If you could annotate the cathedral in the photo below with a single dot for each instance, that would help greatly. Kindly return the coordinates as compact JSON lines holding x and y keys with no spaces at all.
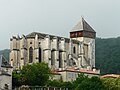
{"x":59,"y":52}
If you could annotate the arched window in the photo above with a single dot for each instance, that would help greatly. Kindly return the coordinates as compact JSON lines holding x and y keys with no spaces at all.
{"x":30,"y":55}
{"x":60,"y":59}
{"x":52,"y":57}
{"x":40,"y":55}
{"x":74,"y":50}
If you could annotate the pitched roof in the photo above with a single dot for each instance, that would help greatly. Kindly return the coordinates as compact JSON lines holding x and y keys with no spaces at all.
{"x":32,"y":35}
{"x":83,"y":26}
{"x":80,"y":71}
{"x":42,"y":35}
{"x":4,"y":62}
{"x":110,"y":76}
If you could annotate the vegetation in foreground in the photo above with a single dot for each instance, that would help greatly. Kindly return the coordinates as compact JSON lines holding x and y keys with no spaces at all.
{"x":37,"y":75}
{"x":34,"y":74}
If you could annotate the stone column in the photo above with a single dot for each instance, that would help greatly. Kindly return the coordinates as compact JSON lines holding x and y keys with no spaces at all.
{"x":83,"y":62}
{"x":47,"y":51}
{"x":36,"y":51}
{"x":62,"y":49}
{"x":55,"y":51}
{"x":93,"y":52}
{"x":56,"y":59}
{"x":23,"y":52}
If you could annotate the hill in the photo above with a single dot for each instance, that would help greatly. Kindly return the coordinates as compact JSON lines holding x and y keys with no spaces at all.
{"x":108,"y":55}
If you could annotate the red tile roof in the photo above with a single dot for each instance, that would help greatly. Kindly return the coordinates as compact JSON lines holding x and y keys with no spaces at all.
{"x":79,"y":71}
{"x":110,"y":76}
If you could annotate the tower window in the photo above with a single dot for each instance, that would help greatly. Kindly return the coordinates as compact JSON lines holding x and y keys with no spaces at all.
{"x":74,"y":50}
{"x":30,"y":42}
{"x":30,"y":55}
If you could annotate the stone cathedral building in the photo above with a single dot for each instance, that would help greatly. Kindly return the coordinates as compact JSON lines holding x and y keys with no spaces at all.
{"x":77,"y":51}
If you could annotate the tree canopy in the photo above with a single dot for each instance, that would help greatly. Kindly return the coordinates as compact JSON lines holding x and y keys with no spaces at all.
{"x":34,"y":74}
{"x":85,"y":83}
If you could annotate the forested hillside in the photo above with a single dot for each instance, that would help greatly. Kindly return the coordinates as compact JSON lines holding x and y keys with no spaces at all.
{"x":107,"y":55}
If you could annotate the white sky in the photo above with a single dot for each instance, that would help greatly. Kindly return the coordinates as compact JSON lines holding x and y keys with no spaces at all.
{"x":57,"y":17}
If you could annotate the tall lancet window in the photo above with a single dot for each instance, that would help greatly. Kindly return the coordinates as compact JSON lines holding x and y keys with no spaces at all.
{"x":52,"y":57}
{"x":40,"y":58}
{"x":30,"y":55}
{"x":60,"y":59}
{"x":74,"y":50}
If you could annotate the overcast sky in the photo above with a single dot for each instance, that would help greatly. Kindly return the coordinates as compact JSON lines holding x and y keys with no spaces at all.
{"x":57,"y":17}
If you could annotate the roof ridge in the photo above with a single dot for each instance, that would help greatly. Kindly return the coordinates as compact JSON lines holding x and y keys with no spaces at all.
{"x":46,"y":34}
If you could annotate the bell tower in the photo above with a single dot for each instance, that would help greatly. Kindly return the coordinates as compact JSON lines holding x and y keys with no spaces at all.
{"x":84,"y":33}
{"x":82,"y":29}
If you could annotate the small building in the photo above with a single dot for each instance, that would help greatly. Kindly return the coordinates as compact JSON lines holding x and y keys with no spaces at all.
{"x":5,"y":74}
{"x":56,"y":76}
{"x":70,"y":74}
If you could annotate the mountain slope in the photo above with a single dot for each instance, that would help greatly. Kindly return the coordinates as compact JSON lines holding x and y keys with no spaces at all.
{"x":108,"y":55}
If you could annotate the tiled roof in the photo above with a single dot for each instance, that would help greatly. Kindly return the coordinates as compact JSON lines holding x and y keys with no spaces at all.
{"x":4,"y":62}
{"x":110,"y":76}
{"x":80,"y":71}
{"x":56,"y":73}
{"x":83,"y":26}
{"x":89,"y":71}
{"x":32,"y":35}
{"x":42,"y":35}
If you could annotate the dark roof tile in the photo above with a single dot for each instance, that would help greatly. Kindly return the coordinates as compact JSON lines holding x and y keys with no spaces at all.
{"x":83,"y":26}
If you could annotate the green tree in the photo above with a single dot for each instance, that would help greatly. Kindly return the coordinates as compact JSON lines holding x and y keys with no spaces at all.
{"x":111,"y":83}
{"x":85,"y":83}
{"x":79,"y":79}
{"x":55,"y":83}
{"x":34,"y":74}
{"x":15,"y":79}
{"x":61,"y":84}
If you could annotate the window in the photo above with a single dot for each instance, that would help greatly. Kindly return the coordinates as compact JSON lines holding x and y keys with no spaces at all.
{"x":52,"y":57}
{"x":60,"y":59}
{"x":30,"y":55}
{"x":74,"y":50}
{"x":69,"y":75}
{"x":30,"y":42}
{"x":40,"y":55}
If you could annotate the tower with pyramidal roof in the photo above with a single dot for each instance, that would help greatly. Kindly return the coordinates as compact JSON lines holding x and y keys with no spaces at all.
{"x":84,"y":33}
